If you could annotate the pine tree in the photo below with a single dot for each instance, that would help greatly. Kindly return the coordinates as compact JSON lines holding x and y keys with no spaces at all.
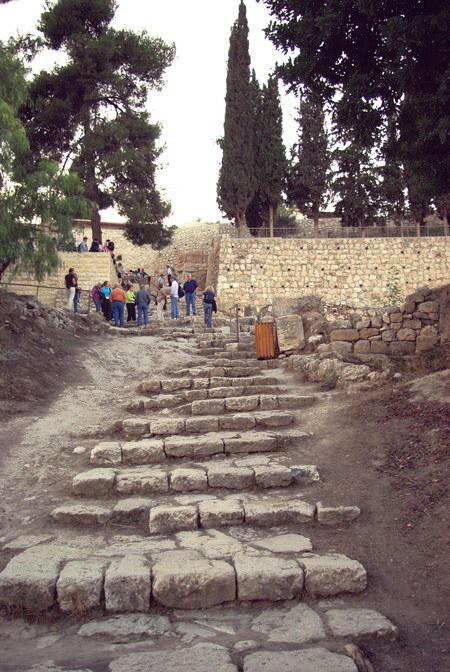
{"x":236,"y":185}
{"x":392,"y":187}
{"x":309,"y":169}
{"x":90,"y":112}
{"x":272,"y":156}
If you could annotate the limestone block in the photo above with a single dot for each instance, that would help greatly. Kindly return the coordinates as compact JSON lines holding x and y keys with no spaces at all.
{"x":363,"y":324}
{"x":128,"y":585}
{"x":267,"y":578}
{"x":150,"y":385}
{"x":195,"y":395}
{"x":388,"y":335}
{"x":379,"y":347}
{"x":106,"y":453}
{"x":233,"y":478}
{"x":335,"y":515}
{"x":165,"y":425}
{"x":140,"y":482}
{"x":332,"y":574}
{"x":402,"y":348}
{"x":341,"y":347}
{"x":131,"y":510}
{"x":188,"y":480}
{"x":268,"y":402}
{"x":406,"y":335}
{"x":237,"y":422}
{"x":162,"y":401}
{"x":182,"y":446}
{"x":353,"y":372}
{"x":175,"y":384}
{"x":368,"y":333}
{"x":249,"y":403}
{"x":208,"y":406}
{"x":250,"y":442}
{"x":223,"y":392}
{"x":317,"y":659}
{"x":360,"y":623}
{"x":428,"y":307}
{"x":376,"y":322}
{"x":80,"y":585}
{"x":94,"y":483}
{"x":290,"y":333}
{"x":201,"y":383}
{"x":198,"y":658}
{"x":344,"y":335}
{"x":395,"y":317}
{"x":303,"y":474}
{"x":202,"y":424}
{"x":424,"y":343}
{"x":362,"y":347}
{"x":194,"y":584}
{"x":274,"y":418}
{"x":81,"y":514}
{"x":285,"y":543}
{"x":408,"y":307}
{"x":292,"y":401}
{"x":272,"y":513}
{"x":222,"y":382}
{"x":135,"y":426}
{"x":220,"y":513}
{"x":167,"y":518}
{"x":411,"y":324}
{"x":272,"y":476}
{"x":28,"y":581}
{"x":146,"y":451}
{"x":429,"y":331}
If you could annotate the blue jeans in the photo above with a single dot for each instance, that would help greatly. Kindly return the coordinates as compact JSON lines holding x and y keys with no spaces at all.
{"x":190,"y":302}
{"x":174,"y":307}
{"x":117,"y":308}
{"x":207,"y":307}
{"x":76,"y":302}
{"x":98,"y":306}
{"x":142,"y":314}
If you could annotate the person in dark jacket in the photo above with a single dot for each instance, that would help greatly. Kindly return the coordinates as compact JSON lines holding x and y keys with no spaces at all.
{"x":142,"y":303}
{"x":95,"y":246}
{"x":209,"y":301}
{"x":190,"y":288}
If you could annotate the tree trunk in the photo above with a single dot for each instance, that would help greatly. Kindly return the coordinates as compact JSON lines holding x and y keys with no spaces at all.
{"x":270,"y":212}
{"x":446,"y":227}
{"x":3,"y":266}
{"x":315,"y":215}
{"x":96,"y":224}
{"x":418,"y":228}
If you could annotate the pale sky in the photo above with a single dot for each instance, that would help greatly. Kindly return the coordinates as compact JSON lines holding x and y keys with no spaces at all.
{"x":190,"y":107}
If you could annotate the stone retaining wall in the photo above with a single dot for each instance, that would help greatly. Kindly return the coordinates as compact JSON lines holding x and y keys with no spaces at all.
{"x":353,"y":272}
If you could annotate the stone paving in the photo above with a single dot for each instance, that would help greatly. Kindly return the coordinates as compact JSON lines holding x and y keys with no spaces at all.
{"x":215,"y":510}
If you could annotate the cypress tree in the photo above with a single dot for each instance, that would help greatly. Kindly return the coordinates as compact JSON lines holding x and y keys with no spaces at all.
{"x":236,"y":185}
{"x":309,"y":169}
{"x":272,"y":157}
{"x":254,"y":213}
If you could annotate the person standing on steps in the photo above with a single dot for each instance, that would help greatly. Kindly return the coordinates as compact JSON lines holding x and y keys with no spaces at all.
{"x":161,"y":302}
{"x":190,"y":288}
{"x":131,"y":304}
{"x":118,"y":299}
{"x":174,"y":298}
{"x":97,"y":297}
{"x":106,"y":302}
{"x":209,"y":303}
{"x":71,"y":281}
{"x":143,"y":302}
{"x":83,"y":246}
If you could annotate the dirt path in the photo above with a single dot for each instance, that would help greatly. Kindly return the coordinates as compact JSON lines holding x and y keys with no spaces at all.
{"x":405,"y":554}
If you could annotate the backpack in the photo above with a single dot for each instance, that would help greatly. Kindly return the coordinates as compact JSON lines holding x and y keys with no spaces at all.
{"x":180,"y":292}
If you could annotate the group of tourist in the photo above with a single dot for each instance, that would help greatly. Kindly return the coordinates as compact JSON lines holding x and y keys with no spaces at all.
{"x":96,"y":246}
{"x":113,"y":300}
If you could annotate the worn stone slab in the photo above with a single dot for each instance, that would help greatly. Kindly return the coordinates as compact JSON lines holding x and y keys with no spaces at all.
{"x":290,"y":333}
{"x":274,"y":418}
{"x":25,"y":541}
{"x":332,"y":574}
{"x":268,"y":402}
{"x":298,"y":624}
{"x":233,"y":478}
{"x":94,"y":483}
{"x":305,"y":660}
{"x":28,"y":581}
{"x":195,"y":395}
{"x":199,"y":446}
{"x":272,"y":476}
{"x":213,"y":544}
{"x":187,"y":480}
{"x":135,"y":426}
{"x":198,"y":658}
{"x":305,"y":473}
{"x":335,"y":515}
{"x":250,"y":442}
{"x":220,"y":513}
{"x":141,"y":482}
{"x":271,"y":514}
{"x":81,"y":514}
{"x":208,"y":407}
{"x":107,"y":453}
{"x":237,"y":422}
{"x":360,"y":623}
{"x":150,"y":385}
{"x":128,"y":585}
{"x":288,"y":437}
{"x":195,"y":584}
{"x":293,"y":401}
{"x":145,"y":451}
{"x":162,"y":425}
{"x":162,"y":401}
{"x":79,"y":587}
{"x":226,"y":392}
{"x":202,"y":424}
{"x":167,"y":518}
{"x":267,"y":578}
{"x":126,"y":628}
{"x":285,"y":543}
{"x":247,"y":403}
{"x":131,"y":510}
{"x":175,"y":384}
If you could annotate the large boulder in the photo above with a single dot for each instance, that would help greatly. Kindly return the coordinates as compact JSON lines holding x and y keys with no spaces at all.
{"x":290,"y":333}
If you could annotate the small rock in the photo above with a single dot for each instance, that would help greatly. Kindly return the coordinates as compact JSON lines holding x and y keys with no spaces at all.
{"x":79,"y":450}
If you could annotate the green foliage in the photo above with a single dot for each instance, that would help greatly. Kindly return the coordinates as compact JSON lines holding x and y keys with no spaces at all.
{"x":237,"y":183}
{"x":310,"y":163}
{"x":356,"y":186}
{"x":90,"y":112}
{"x":271,"y":155}
{"x":393,"y":295}
{"x":37,"y":203}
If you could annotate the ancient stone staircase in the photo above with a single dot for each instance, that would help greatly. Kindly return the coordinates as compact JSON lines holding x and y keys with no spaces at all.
{"x":204,"y":481}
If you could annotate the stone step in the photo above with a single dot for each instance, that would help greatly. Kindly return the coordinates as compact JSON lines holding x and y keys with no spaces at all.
{"x":246,"y":403}
{"x":196,"y":511}
{"x":157,"y":451}
{"x":234,"y":355}
{"x":161,"y":401}
{"x":169,"y":385}
{"x":140,"y":480}
{"x":134,"y":577}
{"x":163,"y":425}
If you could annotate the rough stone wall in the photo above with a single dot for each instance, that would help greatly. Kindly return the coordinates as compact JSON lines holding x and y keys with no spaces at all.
{"x":90,"y":268}
{"x":350,"y":272}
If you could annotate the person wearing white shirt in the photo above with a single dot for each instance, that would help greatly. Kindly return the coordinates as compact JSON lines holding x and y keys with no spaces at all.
{"x":174,"y":299}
